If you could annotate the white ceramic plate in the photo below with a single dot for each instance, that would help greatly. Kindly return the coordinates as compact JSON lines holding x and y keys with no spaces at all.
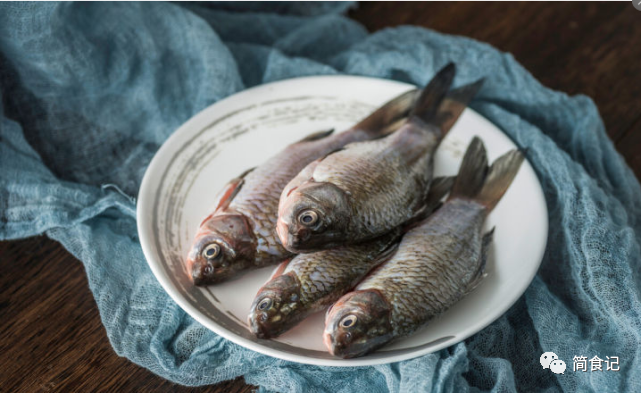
{"x":244,"y":130}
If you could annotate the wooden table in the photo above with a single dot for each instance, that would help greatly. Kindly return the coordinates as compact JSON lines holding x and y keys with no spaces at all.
{"x":51,"y":337}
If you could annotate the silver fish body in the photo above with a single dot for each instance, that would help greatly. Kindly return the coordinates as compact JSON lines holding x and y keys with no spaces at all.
{"x":312,"y":282}
{"x":368,"y":188}
{"x":241,"y":233}
{"x":437,"y":263}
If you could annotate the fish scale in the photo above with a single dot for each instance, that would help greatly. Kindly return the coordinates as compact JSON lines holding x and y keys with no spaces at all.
{"x":313,"y":281}
{"x":335,"y":270}
{"x":319,"y":279}
{"x":441,"y":271}
{"x":366,"y":189}
{"x":259,"y":196}
{"x":394,"y":191}
{"x":437,"y":262}
{"x":241,"y":233}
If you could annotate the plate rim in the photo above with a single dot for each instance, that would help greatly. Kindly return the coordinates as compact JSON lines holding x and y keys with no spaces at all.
{"x":147,"y":197}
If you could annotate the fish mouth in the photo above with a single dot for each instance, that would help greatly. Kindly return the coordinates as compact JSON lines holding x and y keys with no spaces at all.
{"x":270,"y":328}
{"x":282,"y":232}
{"x":218,"y":275}
{"x":297,"y":242}
{"x":265,"y":324}
{"x":342,"y":349}
{"x":236,"y":244}
{"x":257,"y":328}
{"x":294,"y":239}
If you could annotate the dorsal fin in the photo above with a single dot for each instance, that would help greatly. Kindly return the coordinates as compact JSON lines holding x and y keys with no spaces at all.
{"x":280,"y":268}
{"x":379,"y":122}
{"x":331,"y":152}
{"x":317,"y":135}
{"x":231,"y":190}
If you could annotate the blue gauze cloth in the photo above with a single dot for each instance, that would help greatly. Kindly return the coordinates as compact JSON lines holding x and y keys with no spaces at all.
{"x":90,"y":92}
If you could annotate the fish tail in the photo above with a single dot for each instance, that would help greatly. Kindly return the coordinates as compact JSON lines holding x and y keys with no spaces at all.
{"x":454,"y":104}
{"x":385,"y":119}
{"x":499,"y":178}
{"x":485,"y":185}
{"x":472,"y":172}
{"x":427,"y":105}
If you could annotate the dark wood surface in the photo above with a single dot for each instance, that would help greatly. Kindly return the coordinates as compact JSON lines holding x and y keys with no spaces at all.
{"x":51,"y":337}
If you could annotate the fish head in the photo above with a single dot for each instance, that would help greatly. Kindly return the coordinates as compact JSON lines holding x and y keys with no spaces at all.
{"x":276,"y":307}
{"x":313,"y":217}
{"x":224,"y":246}
{"x":357,"y":323}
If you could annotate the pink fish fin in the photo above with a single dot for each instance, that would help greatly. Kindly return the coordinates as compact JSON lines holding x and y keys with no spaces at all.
{"x":317,"y":135}
{"x":303,"y":176}
{"x":480,"y":274}
{"x":281,"y":268}
{"x":231,"y":190}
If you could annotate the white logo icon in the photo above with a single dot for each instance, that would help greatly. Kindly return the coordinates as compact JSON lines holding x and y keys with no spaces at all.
{"x":557,"y":366}
{"x":547,"y":358}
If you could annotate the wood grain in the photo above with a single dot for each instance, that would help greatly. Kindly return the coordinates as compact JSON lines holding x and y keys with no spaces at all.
{"x":51,"y":337}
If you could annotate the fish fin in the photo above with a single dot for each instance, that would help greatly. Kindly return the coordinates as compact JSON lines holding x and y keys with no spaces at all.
{"x":454,"y":104}
{"x":384,"y":120}
{"x":428,"y":103}
{"x":330,"y":153}
{"x":439,"y":187}
{"x":478,"y":182}
{"x":231,"y":189}
{"x":390,"y":128}
{"x":380,"y":260}
{"x":485,"y":249}
{"x":499,"y":178}
{"x":390,"y":250}
{"x":307,"y":174}
{"x":280,"y":268}
{"x":317,"y":135}
{"x":472,"y":172}
{"x":480,"y":274}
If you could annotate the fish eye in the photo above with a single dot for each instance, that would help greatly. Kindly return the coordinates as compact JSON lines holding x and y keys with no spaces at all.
{"x":264,"y":304}
{"x":308,"y":218}
{"x":348,"y":321}
{"x":211,"y":251}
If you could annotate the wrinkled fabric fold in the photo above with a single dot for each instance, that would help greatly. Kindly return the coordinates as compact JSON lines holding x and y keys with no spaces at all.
{"x":90,"y":92}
